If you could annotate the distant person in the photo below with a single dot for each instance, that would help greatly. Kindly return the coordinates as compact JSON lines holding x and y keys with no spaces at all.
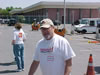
{"x":18,"y":46}
{"x":53,"y":52}
{"x":77,"y":22}
{"x":36,"y":24}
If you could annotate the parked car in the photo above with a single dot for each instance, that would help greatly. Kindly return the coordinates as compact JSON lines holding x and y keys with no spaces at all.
{"x":87,"y":25}
{"x":56,"y":22}
{"x":77,"y":22}
{"x":0,"y":20}
{"x":12,"y":22}
{"x":6,"y":21}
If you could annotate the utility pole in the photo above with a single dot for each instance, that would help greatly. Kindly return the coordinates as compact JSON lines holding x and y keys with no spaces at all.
{"x":72,"y":28}
{"x":98,"y":26}
{"x":64,"y":13}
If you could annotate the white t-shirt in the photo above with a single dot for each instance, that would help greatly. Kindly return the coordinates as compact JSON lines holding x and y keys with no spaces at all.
{"x":19,"y":36}
{"x":52,"y":55}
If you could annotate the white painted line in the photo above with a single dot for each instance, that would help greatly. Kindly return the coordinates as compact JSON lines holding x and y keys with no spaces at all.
{"x":0,"y":33}
{"x":85,"y":50}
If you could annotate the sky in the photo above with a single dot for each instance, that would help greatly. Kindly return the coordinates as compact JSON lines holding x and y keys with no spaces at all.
{"x":26,"y":3}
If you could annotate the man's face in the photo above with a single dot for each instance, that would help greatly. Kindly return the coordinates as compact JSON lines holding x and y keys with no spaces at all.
{"x":47,"y":32}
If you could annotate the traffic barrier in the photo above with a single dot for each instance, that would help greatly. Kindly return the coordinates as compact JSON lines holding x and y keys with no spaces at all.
{"x":35,"y":27}
{"x":90,"y":68}
{"x":60,"y":31}
{"x":93,"y":41}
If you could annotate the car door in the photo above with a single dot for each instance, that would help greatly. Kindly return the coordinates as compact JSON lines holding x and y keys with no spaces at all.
{"x":92,"y":26}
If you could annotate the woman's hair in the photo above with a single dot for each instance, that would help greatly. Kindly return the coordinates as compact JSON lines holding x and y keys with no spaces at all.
{"x":18,"y":26}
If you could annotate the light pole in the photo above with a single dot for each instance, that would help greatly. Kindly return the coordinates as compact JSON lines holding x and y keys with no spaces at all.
{"x":72,"y":28}
{"x":64,"y":13}
{"x":98,"y":28}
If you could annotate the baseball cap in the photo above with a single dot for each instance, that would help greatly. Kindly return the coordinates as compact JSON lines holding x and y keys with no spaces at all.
{"x":46,"y":23}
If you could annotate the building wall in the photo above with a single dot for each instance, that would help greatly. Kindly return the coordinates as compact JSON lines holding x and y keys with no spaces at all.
{"x":52,"y":13}
{"x":95,"y":13}
{"x":85,"y":13}
{"x":72,"y":14}
{"x":61,"y":14}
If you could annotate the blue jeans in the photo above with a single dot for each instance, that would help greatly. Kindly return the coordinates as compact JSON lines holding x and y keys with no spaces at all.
{"x":18,"y":50}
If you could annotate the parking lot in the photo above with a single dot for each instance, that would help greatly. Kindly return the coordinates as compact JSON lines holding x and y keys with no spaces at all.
{"x":79,"y":44}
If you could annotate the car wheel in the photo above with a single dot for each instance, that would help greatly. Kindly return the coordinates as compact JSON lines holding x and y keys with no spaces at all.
{"x":78,"y":31}
{"x":83,"y":31}
{"x":94,"y":32}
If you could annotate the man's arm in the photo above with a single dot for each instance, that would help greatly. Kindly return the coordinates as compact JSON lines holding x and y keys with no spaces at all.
{"x":33,"y":67}
{"x":68,"y":67}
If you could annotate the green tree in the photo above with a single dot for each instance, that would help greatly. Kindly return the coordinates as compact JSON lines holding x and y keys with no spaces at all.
{"x":0,"y":10}
{"x":4,"y":12}
{"x":7,"y":10}
{"x":21,"y":18}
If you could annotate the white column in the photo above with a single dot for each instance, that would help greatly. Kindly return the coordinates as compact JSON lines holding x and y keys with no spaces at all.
{"x":64,"y":13}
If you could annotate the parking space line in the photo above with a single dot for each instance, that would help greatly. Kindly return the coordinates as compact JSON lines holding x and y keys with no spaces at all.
{"x":85,"y":50}
{"x":0,"y":33}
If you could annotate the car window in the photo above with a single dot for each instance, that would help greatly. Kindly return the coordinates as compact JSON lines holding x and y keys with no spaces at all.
{"x":98,"y":23}
{"x":84,"y":21}
{"x":92,"y":23}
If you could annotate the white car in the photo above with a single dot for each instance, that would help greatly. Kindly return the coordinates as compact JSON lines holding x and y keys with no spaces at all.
{"x":87,"y":25}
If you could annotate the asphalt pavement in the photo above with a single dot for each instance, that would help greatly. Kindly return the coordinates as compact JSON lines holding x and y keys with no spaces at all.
{"x":79,"y":44}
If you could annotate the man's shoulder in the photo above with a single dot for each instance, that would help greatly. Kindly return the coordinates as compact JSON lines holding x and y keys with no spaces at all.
{"x":40,"y":41}
{"x":59,"y":37}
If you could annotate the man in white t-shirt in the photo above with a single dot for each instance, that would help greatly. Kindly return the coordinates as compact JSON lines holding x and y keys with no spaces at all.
{"x":53,"y":52}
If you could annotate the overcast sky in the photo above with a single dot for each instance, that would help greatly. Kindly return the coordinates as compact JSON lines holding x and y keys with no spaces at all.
{"x":25,"y":3}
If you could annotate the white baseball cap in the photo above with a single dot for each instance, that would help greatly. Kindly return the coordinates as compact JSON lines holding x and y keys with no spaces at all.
{"x":46,"y":23}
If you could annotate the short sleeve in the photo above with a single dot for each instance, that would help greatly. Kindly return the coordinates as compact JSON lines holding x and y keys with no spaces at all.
{"x":68,"y":51}
{"x":14,"y":36}
{"x":36,"y":55}
{"x":24,"y":36}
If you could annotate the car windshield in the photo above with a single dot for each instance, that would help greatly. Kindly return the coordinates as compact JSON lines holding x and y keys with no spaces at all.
{"x":83,"y":21}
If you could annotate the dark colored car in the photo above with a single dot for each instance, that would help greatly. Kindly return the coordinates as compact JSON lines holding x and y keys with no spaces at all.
{"x":77,"y":22}
{"x":12,"y":22}
{"x":56,"y":23}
